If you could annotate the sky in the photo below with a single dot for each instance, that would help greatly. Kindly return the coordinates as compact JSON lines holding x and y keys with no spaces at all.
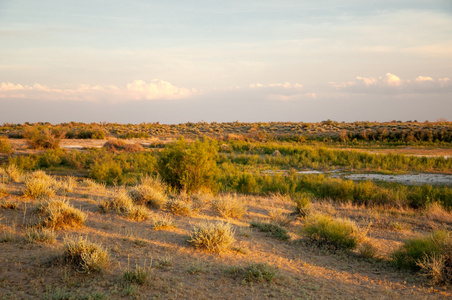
{"x":196,"y":60}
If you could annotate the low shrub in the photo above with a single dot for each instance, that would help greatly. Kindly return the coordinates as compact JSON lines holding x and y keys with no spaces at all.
{"x":39,"y":185}
{"x":302,"y":204}
{"x":121,"y":146}
{"x":149,"y":194}
{"x":5,"y":146}
{"x":339,"y":233}
{"x":14,"y":173}
{"x":42,"y":139}
{"x":122,"y":204}
{"x":278,"y":216}
{"x":179,"y":207}
{"x":84,"y":255}
{"x":273,"y":230}
{"x":59,"y":214}
{"x":229,"y":206}
{"x":214,"y":237}
{"x":255,"y":272}
{"x":42,"y":235}
{"x":163,"y":222}
{"x":138,"y":275}
{"x":423,"y":248}
{"x":7,"y":204}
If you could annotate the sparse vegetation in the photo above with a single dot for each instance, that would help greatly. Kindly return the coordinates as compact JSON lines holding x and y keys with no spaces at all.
{"x":422,"y":249}
{"x":215,"y":237}
{"x":229,"y":206}
{"x":122,"y":204}
{"x":42,"y":235}
{"x":338,"y":233}
{"x":273,"y":230}
{"x":85,"y":255}
{"x":58,"y":214}
{"x":5,"y":146}
{"x":261,"y":175}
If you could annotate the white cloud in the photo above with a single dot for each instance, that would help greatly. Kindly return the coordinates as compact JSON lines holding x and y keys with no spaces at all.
{"x":391,"y":83}
{"x":156,"y":89}
{"x":424,"y":78}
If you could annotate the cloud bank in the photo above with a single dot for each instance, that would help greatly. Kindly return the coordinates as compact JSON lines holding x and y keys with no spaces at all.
{"x":156,"y":89}
{"x":393,"y":84}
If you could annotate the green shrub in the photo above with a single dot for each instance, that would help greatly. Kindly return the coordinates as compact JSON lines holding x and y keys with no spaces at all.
{"x":254,"y":272}
{"x":214,"y":237}
{"x":108,"y":172}
{"x":137,"y":276}
{"x":84,"y":255}
{"x":414,"y":250}
{"x":229,"y":206}
{"x":273,"y":230}
{"x":5,"y":146}
{"x":189,"y":167}
{"x":42,"y":139}
{"x":302,"y":204}
{"x":247,"y":184}
{"x":339,"y":233}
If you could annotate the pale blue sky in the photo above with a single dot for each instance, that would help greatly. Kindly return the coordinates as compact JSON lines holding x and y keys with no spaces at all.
{"x":178,"y":61}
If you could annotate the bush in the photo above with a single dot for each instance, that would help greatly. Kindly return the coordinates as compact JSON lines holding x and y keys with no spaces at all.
{"x":151,"y":192}
{"x":163,"y":222}
{"x":42,"y":139}
{"x":121,"y":146}
{"x":214,"y":237}
{"x":39,"y":185}
{"x":84,"y":255}
{"x":123,"y":205}
{"x":189,"y":167}
{"x":5,"y":146}
{"x":229,"y":206}
{"x":339,"y":233}
{"x":179,"y":207}
{"x":302,"y":205}
{"x":59,"y":214}
{"x":40,"y":235}
{"x":273,"y":230}
{"x":254,"y":272}
{"x":417,"y":249}
{"x":108,"y":172}
{"x":136,"y":276}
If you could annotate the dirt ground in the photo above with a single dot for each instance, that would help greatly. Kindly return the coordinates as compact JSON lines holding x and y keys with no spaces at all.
{"x":180,"y":271}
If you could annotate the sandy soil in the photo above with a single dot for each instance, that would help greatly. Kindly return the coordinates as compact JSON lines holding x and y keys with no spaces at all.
{"x":29,"y":271}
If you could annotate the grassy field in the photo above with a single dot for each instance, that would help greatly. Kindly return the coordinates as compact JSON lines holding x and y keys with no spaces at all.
{"x":154,"y":216}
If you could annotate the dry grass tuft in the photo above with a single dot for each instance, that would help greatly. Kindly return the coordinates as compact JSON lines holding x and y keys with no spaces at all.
{"x":434,"y":211}
{"x":84,"y":255}
{"x":214,"y":237}
{"x":60,"y":214}
{"x":122,"y":204}
{"x":229,"y":206}
{"x":179,"y":207}
{"x":145,"y":194}
{"x":162,"y":222}
{"x":42,"y":235}
{"x":14,"y":173}
{"x":39,"y":185}
{"x":121,"y":146}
